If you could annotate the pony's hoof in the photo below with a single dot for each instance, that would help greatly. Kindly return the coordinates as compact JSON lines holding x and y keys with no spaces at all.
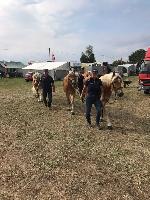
{"x":109,"y":127}
{"x":73,"y":113}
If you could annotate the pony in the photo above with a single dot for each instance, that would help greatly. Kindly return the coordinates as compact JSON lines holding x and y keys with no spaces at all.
{"x":112,"y":82}
{"x":87,"y":75}
{"x":36,"y":86}
{"x":70,"y":87}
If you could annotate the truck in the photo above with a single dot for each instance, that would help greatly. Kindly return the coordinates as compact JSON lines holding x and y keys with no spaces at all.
{"x":144,"y":73}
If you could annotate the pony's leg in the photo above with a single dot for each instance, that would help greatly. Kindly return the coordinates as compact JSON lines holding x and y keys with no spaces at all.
{"x":102,"y":112}
{"x":72,"y":104}
{"x":40,"y":96}
{"x":102,"y":115}
{"x":68,"y":100}
{"x":105,"y":113}
{"x":109,"y":124}
{"x":37,"y":93}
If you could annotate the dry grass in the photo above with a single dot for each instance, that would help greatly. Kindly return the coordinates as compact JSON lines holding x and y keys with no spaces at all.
{"x":52,"y":155}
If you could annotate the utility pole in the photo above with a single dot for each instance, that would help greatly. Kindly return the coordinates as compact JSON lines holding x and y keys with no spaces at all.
{"x":49,"y":50}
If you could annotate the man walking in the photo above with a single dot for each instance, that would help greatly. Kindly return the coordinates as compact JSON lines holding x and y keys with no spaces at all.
{"x":93,"y":88}
{"x":47,"y":85}
{"x":80,"y":80}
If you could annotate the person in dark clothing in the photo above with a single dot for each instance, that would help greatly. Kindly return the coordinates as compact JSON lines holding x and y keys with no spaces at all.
{"x":93,"y":88}
{"x":80,"y":80}
{"x":47,"y":85}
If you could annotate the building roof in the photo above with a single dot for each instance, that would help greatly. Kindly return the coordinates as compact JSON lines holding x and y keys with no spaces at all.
{"x":126,"y":65}
{"x":12,"y":64}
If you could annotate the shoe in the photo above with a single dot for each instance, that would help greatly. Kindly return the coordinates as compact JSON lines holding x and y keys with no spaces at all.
{"x":49,"y":107}
{"x":89,"y":125}
{"x":98,"y":126}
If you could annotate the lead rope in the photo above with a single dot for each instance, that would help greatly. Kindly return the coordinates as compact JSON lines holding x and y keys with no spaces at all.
{"x":121,"y":105}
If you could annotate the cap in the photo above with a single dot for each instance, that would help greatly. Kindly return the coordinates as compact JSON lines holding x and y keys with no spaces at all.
{"x":95,"y":71}
{"x":45,"y":70}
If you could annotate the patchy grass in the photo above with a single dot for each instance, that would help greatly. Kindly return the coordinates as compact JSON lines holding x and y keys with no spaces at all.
{"x":53,"y":155}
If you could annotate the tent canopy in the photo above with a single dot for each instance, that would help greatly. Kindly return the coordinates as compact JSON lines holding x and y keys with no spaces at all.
{"x":45,"y":65}
{"x":57,"y":70}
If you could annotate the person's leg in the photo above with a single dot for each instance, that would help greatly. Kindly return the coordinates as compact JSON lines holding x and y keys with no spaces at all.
{"x":80,"y":89}
{"x":44,"y":97}
{"x":98,"y":106}
{"x":88,"y":109}
{"x":49,"y":99}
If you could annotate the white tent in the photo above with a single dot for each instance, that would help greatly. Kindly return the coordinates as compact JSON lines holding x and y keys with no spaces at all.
{"x":56,"y":69}
{"x":129,"y":69}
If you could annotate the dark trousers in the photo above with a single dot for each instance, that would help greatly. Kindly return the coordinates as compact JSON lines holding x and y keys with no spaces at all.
{"x":47,"y":98}
{"x":80,"y":89}
{"x":97,"y":103}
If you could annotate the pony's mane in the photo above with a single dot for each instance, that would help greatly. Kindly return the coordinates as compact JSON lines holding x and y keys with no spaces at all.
{"x":36,"y":75}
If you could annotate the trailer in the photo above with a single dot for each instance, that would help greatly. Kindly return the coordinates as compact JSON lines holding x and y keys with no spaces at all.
{"x":144,"y":73}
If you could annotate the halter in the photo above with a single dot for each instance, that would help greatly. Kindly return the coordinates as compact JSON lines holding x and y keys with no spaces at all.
{"x":113,"y":85}
{"x":73,"y":81}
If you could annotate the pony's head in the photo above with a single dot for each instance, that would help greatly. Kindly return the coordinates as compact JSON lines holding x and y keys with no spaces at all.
{"x":117,"y":82}
{"x":36,"y":78}
{"x":72,"y":77}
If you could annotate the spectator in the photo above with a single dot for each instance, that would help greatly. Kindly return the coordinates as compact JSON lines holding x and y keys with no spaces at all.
{"x":80,"y":80}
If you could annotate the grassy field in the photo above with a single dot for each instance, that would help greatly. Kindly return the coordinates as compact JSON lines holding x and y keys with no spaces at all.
{"x":53,"y":155}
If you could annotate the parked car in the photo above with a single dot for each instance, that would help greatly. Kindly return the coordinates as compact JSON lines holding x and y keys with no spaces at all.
{"x":28,"y":76}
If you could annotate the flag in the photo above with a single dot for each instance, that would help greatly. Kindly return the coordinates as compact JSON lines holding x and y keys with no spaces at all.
{"x":49,"y":51}
{"x":30,"y":63}
{"x":53,"y":57}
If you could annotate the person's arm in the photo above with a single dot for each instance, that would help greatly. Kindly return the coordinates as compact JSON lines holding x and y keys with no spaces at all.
{"x":53,"y":87}
{"x":84,"y":91}
{"x":40,"y":82}
{"x":102,"y":92}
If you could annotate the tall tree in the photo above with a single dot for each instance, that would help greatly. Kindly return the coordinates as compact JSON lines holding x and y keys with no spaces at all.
{"x":88,"y":56}
{"x":137,"y":56}
{"x":118,"y":62}
{"x":84,"y":58}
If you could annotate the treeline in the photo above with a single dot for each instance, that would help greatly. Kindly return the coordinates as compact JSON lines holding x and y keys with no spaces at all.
{"x":135,"y":57}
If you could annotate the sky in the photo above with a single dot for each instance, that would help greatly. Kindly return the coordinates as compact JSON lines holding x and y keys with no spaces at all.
{"x":115,"y":29}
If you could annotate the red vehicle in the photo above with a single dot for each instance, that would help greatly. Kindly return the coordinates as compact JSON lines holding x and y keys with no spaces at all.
{"x":144,"y":73}
{"x":28,"y":76}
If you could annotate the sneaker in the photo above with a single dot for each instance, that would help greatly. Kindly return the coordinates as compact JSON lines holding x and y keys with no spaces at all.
{"x":89,"y":125}
{"x":49,"y":107}
{"x":98,"y":126}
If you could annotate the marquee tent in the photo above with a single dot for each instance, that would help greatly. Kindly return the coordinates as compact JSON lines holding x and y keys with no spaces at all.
{"x":56,"y":69}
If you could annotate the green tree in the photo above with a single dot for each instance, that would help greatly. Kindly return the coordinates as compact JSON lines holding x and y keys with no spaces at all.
{"x":88,"y":56}
{"x":137,"y":56}
{"x":84,"y":58}
{"x":118,"y":62}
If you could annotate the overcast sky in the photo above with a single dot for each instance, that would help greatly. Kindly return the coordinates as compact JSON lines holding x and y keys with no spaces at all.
{"x":115,"y":28}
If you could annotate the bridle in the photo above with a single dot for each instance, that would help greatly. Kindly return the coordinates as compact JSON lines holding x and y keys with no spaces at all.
{"x":73,"y":81}
{"x":114,"y":87}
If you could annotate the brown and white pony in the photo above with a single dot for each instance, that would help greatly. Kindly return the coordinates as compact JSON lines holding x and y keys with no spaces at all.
{"x":36,"y":86}
{"x":70,"y":86}
{"x":112,"y":82}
